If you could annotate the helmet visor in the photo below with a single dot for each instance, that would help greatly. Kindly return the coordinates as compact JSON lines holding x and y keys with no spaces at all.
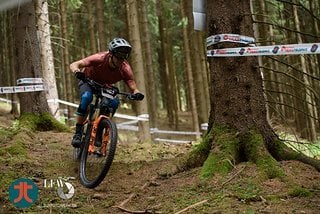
{"x":121,"y":55}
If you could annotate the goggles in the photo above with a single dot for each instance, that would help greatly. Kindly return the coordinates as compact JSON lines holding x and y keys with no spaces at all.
{"x":121,"y":55}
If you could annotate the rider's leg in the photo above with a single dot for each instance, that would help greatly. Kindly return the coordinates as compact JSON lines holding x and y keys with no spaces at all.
{"x":86,"y":98}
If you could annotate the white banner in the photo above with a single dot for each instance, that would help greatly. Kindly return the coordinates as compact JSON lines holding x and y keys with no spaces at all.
{"x":291,"y":49}
{"x":29,"y":81}
{"x":229,"y":38}
{"x":20,"y":89}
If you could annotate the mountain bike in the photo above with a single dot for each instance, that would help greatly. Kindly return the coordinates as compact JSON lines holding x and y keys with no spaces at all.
{"x":99,"y":138}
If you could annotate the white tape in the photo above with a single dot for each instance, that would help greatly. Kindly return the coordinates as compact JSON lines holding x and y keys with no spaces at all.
{"x":155,"y":130}
{"x":291,"y":49}
{"x":22,"y":81}
{"x":230,"y":38}
{"x":20,"y":89}
{"x":173,"y":141}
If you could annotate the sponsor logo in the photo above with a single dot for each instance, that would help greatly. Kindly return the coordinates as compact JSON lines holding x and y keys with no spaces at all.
{"x":23,"y":193}
{"x":275,"y":49}
{"x":314,"y":48}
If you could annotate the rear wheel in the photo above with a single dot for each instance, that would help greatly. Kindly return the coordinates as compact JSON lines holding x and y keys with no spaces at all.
{"x":95,"y":166}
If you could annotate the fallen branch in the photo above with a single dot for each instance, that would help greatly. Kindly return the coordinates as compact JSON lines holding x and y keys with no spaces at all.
{"x":192,"y":206}
{"x":235,"y":175}
{"x":147,"y":211}
{"x":132,"y":195}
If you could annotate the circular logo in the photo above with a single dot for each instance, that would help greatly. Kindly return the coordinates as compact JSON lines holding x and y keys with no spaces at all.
{"x":217,"y":39}
{"x":314,"y":48}
{"x":70,"y":191}
{"x":275,"y":49}
{"x":242,"y":50}
{"x":23,"y":193}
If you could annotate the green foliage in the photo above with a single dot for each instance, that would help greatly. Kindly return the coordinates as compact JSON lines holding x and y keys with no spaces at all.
{"x":249,"y":191}
{"x":16,"y":148}
{"x":300,"y":192}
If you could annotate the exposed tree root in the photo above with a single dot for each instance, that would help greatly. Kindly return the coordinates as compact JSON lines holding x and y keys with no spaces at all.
{"x":223,"y":147}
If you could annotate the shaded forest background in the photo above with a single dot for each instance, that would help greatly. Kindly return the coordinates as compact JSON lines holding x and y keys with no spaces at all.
{"x":169,"y":57}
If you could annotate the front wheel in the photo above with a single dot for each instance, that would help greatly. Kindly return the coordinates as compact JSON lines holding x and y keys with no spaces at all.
{"x":94,"y":166}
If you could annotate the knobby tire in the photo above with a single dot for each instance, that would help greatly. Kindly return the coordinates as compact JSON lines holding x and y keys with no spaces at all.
{"x":111,"y":149}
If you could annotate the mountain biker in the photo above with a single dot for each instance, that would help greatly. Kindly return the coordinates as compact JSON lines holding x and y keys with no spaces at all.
{"x":105,"y":68}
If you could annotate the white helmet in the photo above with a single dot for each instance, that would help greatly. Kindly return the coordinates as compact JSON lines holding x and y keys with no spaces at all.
{"x":120,"y":48}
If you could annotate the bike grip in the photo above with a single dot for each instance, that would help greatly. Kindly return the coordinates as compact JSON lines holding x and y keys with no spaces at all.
{"x":80,"y":75}
{"x":139,"y":96}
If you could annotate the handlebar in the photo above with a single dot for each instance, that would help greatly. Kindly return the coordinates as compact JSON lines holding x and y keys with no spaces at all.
{"x":97,"y":87}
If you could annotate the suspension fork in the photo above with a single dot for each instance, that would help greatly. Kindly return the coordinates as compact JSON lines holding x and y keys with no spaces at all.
{"x":94,"y":133}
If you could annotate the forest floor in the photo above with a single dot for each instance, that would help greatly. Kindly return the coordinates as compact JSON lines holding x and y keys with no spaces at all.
{"x":136,"y":183}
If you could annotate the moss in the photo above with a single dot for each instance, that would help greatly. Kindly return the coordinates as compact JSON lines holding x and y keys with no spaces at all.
{"x":197,"y":156}
{"x":224,"y":153}
{"x":17,"y":149}
{"x":42,"y":122}
{"x":256,"y":152}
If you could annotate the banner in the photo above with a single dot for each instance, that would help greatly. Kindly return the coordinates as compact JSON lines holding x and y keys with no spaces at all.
{"x":236,"y":38}
{"x":20,"y":89}
{"x":273,"y":50}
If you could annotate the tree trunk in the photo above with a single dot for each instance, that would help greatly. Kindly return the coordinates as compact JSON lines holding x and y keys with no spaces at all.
{"x":238,"y":127}
{"x":165,"y":66}
{"x":66,"y":61}
{"x":101,"y":25}
{"x":137,"y":65}
{"x":47,"y":56}
{"x":311,"y":130}
{"x":91,"y":18}
{"x":187,"y":54}
{"x":146,"y":41}
{"x":27,"y":58}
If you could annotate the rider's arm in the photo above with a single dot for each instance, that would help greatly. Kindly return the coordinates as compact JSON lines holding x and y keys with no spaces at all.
{"x":77,"y":65}
{"x":132,"y":86}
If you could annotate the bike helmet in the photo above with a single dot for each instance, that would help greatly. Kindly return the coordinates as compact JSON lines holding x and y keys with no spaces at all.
{"x":120,"y":48}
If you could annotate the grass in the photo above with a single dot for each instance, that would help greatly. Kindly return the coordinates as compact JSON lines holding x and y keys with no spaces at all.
{"x":311,"y":149}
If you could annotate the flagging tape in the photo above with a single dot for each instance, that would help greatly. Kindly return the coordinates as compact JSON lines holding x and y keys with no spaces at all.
{"x":20,"y":89}
{"x":26,"y":88}
{"x":272,"y":50}
{"x":236,"y":38}
{"x":22,"y":81}
{"x":252,"y":50}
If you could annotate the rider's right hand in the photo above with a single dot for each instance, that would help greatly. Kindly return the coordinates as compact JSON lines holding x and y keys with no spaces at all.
{"x":136,"y":96}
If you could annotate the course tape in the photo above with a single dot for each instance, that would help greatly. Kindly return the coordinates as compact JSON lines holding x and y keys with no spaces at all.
{"x":291,"y":49}
{"x":22,"y":81}
{"x":236,"y":38}
{"x":20,"y":89}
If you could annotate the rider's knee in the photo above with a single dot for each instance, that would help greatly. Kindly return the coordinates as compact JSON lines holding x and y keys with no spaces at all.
{"x":86,"y":99}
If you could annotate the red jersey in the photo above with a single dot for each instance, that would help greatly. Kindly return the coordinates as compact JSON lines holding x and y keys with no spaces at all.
{"x":97,"y":68}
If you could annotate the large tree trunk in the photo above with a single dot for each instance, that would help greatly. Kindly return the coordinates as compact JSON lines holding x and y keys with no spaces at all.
{"x":238,"y":127}
{"x":27,"y":55}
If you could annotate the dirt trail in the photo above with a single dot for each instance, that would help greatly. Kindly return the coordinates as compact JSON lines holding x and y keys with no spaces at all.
{"x":133,"y":182}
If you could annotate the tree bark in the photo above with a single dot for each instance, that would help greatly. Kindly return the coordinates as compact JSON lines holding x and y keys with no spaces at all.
{"x":137,"y":65}
{"x":27,"y":58}
{"x":47,"y":56}
{"x":238,"y":127}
